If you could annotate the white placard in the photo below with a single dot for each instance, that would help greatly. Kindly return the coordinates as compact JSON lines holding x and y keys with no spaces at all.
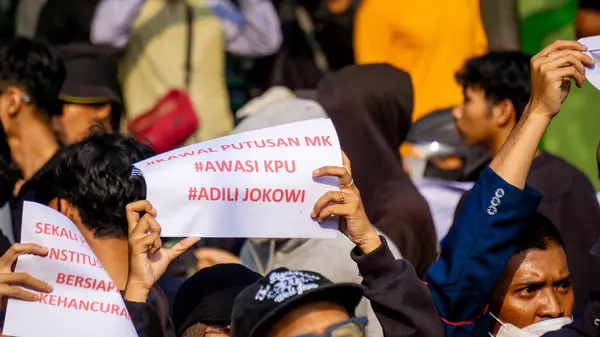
{"x":253,"y":184}
{"x":85,"y":301}
{"x":592,"y":74}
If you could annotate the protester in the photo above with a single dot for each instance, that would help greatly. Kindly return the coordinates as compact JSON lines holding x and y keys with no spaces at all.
{"x":155,"y":60}
{"x":91,"y":93}
{"x":90,"y":177}
{"x":31,"y":76}
{"x":480,"y":245}
{"x":586,"y":20}
{"x":371,"y":107}
{"x":535,"y":291}
{"x":204,"y":302}
{"x":402,"y":300}
{"x":497,"y":88}
{"x":429,"y":39}
{"x":318,"y":255}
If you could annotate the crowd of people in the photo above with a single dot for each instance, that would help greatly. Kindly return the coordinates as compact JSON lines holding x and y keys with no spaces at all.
{"x":452,"y":221}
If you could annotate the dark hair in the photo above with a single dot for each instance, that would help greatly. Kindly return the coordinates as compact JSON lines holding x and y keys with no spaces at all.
{"x":539,"y":233}
{"x":502,"y":75}
{"x":94,"y":176}
{"x":35,"y":68}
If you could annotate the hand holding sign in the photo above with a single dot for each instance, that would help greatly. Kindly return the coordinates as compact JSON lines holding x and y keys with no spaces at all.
{"x":11,"y":283}
{"x":148,"y":260}
{"x":347,"y":205}
{"x":551,"y":73}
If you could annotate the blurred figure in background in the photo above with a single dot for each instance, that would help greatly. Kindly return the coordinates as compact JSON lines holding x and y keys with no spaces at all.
{"x":91,"y":93}
{"x":497,"y":88}
{"x":587,"y":21}
{"x":371,"y":107}
{"x":442,"y":167}
{"x":317,"y":39}
{"x":429,"y":39}
{"x":160,"y":36}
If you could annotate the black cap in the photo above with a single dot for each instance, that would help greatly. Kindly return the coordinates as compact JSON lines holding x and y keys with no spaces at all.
{"x":262,"y":304}
{"x":92,"y":74}
{"x":208,"y":296}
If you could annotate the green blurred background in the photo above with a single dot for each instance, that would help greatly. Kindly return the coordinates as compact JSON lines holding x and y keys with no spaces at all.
{"x":574,"y":134}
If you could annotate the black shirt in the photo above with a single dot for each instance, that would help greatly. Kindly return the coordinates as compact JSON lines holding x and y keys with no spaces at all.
{"x":34,"y":189}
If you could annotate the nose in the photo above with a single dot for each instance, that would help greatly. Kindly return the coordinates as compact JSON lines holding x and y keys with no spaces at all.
{"x":551,"y":306}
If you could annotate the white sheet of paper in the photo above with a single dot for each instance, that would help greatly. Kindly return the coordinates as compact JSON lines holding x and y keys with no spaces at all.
{"x":592,"y":74}
{"x":253,"y":184}
{"x":84,"y":302}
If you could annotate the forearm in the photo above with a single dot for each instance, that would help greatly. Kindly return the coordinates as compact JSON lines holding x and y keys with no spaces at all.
{"x":113,"y":20}
{"x":257,"y":32}
{"x":514,"y":160}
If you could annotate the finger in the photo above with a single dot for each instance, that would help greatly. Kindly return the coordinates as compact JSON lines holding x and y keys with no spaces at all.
{"x":565,"y":61}
{"x":215,"y":255}
{"x":133,"y":210}
{"x":181,"y":247}
{"x":147,"y":244}
{"x":19,"y":293}
{"x":341,"y":210}
{"x":155,"y":228}
{"x":346,"y":163}
{"x":17,"y":249}
{"x":334,"y":171}
{"x":328,"y":198}
{"x":572,"y":56}
{"x":146,"y":224}
{"x":25,"y":280}
{"x":569,"y":72}
{"x":560,"y":45}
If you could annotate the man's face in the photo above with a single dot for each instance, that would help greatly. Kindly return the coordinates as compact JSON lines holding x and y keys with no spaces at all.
{"x":75,"y":121}
{"x":536,"y":285}
{"x":474,"y":116}
{"x":313,"y":318}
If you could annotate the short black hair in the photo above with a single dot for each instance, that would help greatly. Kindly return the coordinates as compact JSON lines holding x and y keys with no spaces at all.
{"x":540,"y":233}
{"x":94,"y":176}
{"x":502,"y":75}
{"x":35,"y":68}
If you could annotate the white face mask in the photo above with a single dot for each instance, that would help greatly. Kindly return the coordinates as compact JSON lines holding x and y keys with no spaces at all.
{"x":534,"y":330}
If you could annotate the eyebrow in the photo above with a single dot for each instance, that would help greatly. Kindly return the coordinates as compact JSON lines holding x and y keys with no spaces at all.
{"x":539,"y":284}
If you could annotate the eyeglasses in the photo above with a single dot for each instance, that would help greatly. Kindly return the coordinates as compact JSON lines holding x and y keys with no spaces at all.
{"x":354,"y":327}
{"x":215,"y":329}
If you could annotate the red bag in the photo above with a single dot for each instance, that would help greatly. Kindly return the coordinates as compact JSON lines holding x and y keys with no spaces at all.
{"x":172,"y":120}
{"x":168,"y":123}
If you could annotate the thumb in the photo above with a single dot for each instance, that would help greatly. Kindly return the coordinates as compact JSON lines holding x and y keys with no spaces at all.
{"x":181,"y":247}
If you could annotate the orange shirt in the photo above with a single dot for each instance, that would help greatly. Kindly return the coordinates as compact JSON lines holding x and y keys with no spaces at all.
{"x":430,"y":39}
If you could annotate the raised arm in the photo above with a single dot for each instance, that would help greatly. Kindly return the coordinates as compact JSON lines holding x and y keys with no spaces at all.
{"x":252,"y":30}
{"x":480,"y":243}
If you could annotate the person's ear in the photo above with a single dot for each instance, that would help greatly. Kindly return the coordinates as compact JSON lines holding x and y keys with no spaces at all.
{"x":15,"y":101}
{"x":70,"y":211}
{"x":102,"y":112}
{"x":504,"y":113}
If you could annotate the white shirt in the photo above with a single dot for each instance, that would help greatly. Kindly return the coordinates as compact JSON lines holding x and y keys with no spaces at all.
{"x":251,"y":30}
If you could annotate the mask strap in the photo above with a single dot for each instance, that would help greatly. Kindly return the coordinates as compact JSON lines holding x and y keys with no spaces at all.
{"x":497,"y":320}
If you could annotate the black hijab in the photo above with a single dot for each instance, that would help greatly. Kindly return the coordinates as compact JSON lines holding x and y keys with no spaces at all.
{"x":371,"y":108}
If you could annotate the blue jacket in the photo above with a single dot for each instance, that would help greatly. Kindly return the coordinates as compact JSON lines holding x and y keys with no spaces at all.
{"x":476,"y":252}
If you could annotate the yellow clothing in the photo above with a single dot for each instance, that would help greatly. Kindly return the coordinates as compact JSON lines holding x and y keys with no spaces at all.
{"x":430,"y":39}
